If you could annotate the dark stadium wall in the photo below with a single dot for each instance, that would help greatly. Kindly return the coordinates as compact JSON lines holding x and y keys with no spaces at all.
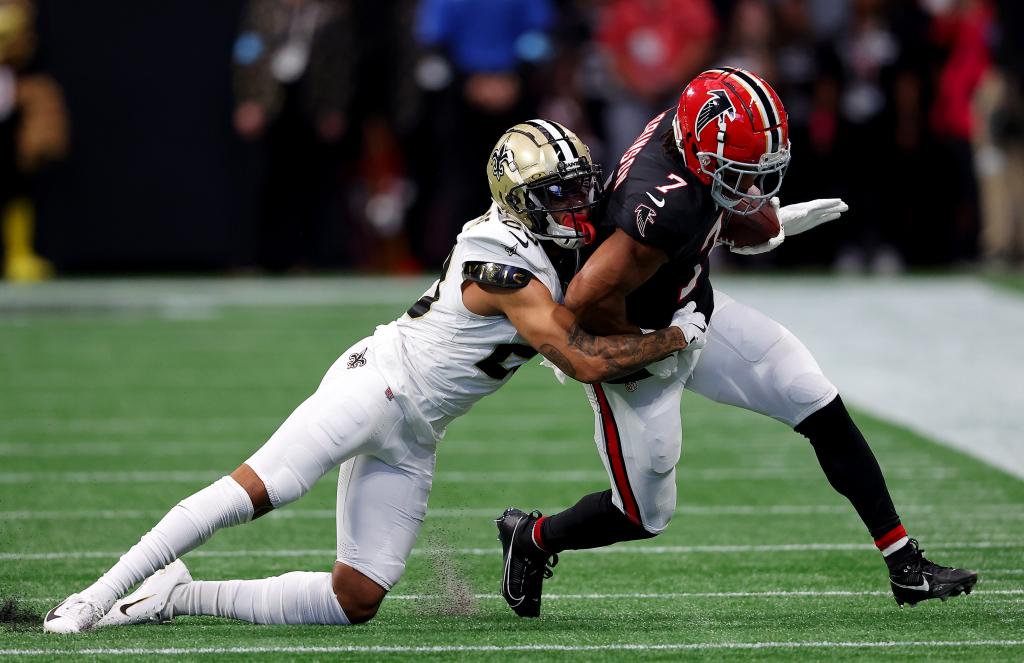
{"x":155,"y":179}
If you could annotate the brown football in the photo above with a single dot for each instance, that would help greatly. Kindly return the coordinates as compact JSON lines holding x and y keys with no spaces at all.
{"x":750,"y":229}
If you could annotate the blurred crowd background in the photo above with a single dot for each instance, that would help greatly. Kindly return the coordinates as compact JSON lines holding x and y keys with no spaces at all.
{"x":283,"y":136}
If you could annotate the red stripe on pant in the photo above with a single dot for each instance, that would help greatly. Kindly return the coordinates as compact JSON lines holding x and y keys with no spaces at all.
{"x":613,"y":448}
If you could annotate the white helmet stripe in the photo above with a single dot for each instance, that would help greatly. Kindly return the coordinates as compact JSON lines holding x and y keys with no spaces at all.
{"x":557,"y":137}
{"x":762,"y":111}
{"x":773,"y":117}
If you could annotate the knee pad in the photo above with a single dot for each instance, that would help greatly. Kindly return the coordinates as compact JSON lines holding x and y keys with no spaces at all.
{"x":657,"y":516}
{"x":810,"y":388}
{"x":284,"y":485}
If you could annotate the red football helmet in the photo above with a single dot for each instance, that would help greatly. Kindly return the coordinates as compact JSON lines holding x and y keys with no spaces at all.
{"x":734,"y":134}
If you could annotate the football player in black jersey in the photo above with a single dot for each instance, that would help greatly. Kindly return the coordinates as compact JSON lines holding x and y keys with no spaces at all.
{"x":683,"y":178}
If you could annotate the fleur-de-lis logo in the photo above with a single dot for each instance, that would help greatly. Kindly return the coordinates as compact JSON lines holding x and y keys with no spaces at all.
{"x":357,"y":359}
{"x":501,"y":156}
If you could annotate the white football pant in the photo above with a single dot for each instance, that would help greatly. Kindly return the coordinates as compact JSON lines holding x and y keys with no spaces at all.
{"x":750,"y":361}
{"x":353,"y":420}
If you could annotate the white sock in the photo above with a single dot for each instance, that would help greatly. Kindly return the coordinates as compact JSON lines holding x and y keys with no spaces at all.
{"x":189,"y":524}
{"x":299,"y":597}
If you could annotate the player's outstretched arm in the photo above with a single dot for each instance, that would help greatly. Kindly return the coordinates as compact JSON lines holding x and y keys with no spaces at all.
{"x":554,"y":332}
{"x":597,"y":295}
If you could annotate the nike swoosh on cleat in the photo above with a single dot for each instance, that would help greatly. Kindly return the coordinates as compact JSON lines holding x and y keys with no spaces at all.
{"x":660,"y":202}
{"x":923,"y":587}
{"x":508,"y":562}
{"x":51,"y":615}
{"x":124,"y":608}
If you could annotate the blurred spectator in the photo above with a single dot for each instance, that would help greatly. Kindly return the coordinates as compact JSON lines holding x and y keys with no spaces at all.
{"x":33,"y":131}
{"x":749,"y":38}
{"x":828,"y":17}
{"x":962,"y":31}
{"x":867,"y":51}
{"x":578,"y":80}
{"x":999,"y":143}
{"x":385,"y":115}
{"x":477,"y":72}
{"x":654,"y":48}
{"x":364,"y":122}
{"x":292,"y":79}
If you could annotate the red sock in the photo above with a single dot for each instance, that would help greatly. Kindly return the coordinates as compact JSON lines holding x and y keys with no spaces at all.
{"x":892,"y":540}
{"x":537,"y":541}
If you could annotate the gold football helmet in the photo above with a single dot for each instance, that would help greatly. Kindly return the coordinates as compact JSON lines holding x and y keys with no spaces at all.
{"x":541,"y":174}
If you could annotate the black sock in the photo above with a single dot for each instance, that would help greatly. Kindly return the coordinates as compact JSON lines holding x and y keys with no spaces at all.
{"x":592,"y":522}
{"x":850,"y":466}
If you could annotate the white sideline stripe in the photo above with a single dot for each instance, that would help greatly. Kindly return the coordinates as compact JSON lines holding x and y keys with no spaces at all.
{"x":432,"y":649}
{"x":170,"y":295}
{"x":1002,"y":511}
{"x":456,"y":476}
{"x":897,"y":367}
{"x":611,"y":550}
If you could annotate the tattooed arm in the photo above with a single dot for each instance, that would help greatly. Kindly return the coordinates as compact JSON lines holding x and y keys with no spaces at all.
{"x":597,"y":295}
{"x":555,"y":332}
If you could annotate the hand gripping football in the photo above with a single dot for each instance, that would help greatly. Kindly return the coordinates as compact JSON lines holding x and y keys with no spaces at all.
{"x":741,"y":230}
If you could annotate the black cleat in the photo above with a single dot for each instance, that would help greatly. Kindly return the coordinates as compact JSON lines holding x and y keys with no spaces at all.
{"x":914,"y":579}
{"x":526,"y":567}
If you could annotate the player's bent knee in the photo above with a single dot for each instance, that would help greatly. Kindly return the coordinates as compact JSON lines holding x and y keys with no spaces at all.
{"x":359,"y":596}
{"x":652,"y":528}
{"x":245,"y":477}
{"x":810,"y":388}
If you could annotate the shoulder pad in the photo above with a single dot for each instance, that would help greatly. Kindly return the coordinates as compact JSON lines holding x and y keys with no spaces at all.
{"x":496,"y":274}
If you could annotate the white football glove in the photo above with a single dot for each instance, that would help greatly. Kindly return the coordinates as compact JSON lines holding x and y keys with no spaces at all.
{"x":801,"y":217}
{"x":693,"y":324}
{"x":665,"y":367}
{"x":795,"y":219}
{"x":559,"y":373}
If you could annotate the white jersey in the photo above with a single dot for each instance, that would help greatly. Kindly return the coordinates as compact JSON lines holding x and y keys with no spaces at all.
{"x":440,"y":358}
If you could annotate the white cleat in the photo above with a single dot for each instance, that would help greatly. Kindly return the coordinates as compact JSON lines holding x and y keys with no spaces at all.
{"x":151,"y":601}
{"x":72,"y":615}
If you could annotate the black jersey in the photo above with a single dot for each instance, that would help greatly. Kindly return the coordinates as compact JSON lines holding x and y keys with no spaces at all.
{"x":656,"y":200}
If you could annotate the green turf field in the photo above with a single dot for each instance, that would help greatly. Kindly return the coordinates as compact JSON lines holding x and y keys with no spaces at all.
{"x":109,"y":416}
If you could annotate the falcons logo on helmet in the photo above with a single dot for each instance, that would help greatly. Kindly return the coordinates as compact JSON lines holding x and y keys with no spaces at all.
{"x":717,"y":106}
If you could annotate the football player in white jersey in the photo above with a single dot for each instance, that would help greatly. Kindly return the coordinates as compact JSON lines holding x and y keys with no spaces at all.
{"x":385,"y":403}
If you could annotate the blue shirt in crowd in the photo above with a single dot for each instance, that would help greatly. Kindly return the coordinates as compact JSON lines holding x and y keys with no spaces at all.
{"x":481,"y":35}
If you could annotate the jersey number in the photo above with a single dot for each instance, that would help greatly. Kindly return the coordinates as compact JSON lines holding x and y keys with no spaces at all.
{"x":705,"y":249}
{"x":424,"y":303}
{"x":679,"y":181}
{"x":492,"y":365}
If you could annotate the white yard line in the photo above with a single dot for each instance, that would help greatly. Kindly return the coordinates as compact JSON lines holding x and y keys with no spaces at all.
{"x":979,"y":511}
{"x":435,"y":649}
{"x":611,"y":550}
{"x":139,"y":426}
{"x":939,"y":356}
{"x":456,"y":476}
{"x":982,"y":593}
